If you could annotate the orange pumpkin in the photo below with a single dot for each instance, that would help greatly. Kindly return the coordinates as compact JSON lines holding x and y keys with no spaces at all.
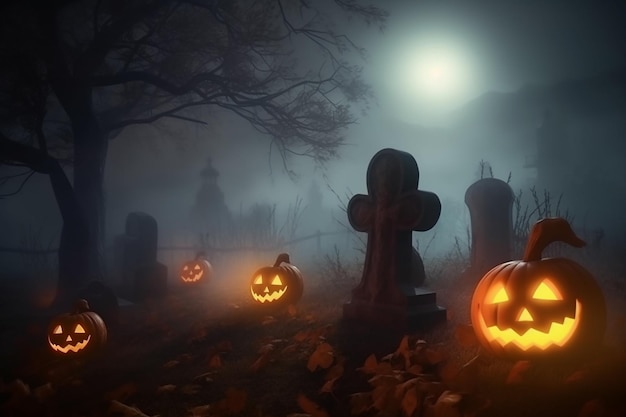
{"x":196,"y":271}
{"x":539,"y":307}
{"x":78,"y":333}
{"x":277,"y":285}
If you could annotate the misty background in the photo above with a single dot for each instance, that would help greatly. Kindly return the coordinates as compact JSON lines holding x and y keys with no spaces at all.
{"x":540,"y":94}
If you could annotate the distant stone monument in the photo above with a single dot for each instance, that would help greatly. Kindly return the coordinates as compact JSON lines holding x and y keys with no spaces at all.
{"x":142,"y":276}
{"x":394,"y":207}
{"x":490,"y":203}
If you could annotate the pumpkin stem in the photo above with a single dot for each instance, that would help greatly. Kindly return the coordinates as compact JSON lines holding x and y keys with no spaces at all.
{"x":81,"y":306}
{"x":282,"y":257}
{"x":546,"y":231}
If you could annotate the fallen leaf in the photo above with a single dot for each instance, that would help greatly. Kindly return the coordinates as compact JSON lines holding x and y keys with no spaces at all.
{"x":383,"y":399}
{"x":592,"y":408}
{"x":117,"y":407}
{"x":410,"y":401}
{"x":166,"y":388}
{"x":171,"y":364}
{"x":403,"y":348}
{"x":370,"y":365}
{"x":261,"y":362}
{"x":385,"y":380}
{"x":415,"y":369}
{"x":123,"y":392}
{"x":435,"y":355}
{"x":266,"y":348}
{"x":310,"y":407}
{"x":577,"y":377}
{"x":447,"y":405}
{"x":360,"y":402}
{"x":517,"y":373}
{"x":224,"y":346}
{"x":215,"y":361}
{"x":233,"y":402}
{"x":337,"y":369}
{"x":198,"y":334}
{"x":328,"y":386}
{"x":289,"y":349}
{"x":301,"y":335}
{"x":201,"y":411}
{"x":204,"y":378}
{"x":292,"y":311}
{"x":43,"y":392}
{"x":190,"y":389}
{"x":465,"y":336}
{"x":322,"y":357}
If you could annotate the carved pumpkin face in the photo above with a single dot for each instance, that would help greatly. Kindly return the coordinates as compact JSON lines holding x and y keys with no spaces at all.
{"x":277,"y":285}
{"x":77,"y":333}
{"x":196,"y":271}
{"x":538,"y":308}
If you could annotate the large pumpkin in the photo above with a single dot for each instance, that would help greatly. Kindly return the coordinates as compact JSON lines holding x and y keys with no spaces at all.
{"x":78,"y":333}
{"x":277,"y":285}
{"x":196,"y":271}
{"x":539,"y":307}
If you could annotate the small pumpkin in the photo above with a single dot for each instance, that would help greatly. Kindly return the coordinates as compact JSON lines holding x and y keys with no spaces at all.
{"x":539,"y":307}
{"x":78,"y":333}
{"x":196,"y":271}
{"x":278,"y":285}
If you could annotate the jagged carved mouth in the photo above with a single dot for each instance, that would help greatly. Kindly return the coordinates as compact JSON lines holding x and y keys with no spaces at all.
{"x":268,"y":297}
{"x":193,"y":278}
{"x":558,"y":333}
{"x":69,"y":348}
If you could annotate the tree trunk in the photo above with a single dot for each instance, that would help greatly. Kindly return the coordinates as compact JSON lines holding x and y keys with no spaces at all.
{"x":90,"y":150}
{"x":73,"y":247}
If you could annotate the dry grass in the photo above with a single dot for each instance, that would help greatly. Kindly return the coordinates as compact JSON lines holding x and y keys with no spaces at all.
{"x":175,"y":341}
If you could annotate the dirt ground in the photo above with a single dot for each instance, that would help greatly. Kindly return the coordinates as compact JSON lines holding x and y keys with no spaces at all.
{"x":198,"y":352}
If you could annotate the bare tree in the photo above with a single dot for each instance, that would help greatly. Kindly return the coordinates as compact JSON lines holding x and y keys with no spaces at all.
{"x":84,"y":70}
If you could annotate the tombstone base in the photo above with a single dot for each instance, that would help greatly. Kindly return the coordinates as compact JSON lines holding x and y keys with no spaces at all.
{"x":419,"y":313}
{"x":150,"y":282}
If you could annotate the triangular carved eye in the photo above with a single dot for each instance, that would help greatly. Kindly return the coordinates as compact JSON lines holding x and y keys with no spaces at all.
{"x":277,"y":280}
{"x":197,"y":267}
{"x":258,"y":280}
{"x":547,"y":291}
{"x":499,"y":295}
{"x":185,"y":268}
{"x":79,"y":329}
{"x":58,"y":329}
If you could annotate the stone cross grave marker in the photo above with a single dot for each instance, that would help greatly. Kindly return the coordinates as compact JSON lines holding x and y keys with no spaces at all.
{"x":490,"y":203}
{"x":394,"y":207}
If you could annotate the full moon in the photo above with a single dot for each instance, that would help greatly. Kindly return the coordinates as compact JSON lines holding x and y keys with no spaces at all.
{"x":430,"y":77}
{"x":436,"y":75}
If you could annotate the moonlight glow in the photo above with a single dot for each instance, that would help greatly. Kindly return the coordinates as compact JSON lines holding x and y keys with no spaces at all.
{"x":436,"y":74}
{"x":432,"y":75}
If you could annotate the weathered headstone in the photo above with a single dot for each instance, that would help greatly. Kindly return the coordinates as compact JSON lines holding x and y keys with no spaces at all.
{"x":394,"y":207}
{"x":136,"y":250}
{"x":490,"y":203}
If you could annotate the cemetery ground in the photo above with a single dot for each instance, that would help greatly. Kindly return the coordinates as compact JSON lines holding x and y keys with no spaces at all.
{"x":207,"y":351}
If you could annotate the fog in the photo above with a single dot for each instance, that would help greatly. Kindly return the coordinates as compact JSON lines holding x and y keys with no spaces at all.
{"x":522,"y":59}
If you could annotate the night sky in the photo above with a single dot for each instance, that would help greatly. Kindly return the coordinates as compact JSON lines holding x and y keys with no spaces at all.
{"x":485,"y":46}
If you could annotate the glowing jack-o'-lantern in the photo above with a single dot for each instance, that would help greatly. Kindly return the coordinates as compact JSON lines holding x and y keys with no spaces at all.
{"x":198,"y":270}
{"x":277,"y":285}
{"x":539,"y":307}
{"x":77,"y":333}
